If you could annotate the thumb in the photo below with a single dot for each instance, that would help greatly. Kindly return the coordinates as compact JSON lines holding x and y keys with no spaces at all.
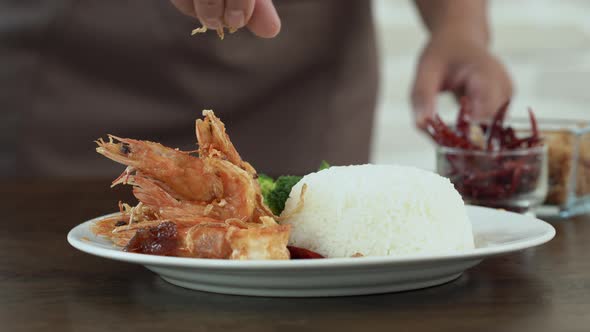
{"x":265,"y":21}
{"x":427,"y":84}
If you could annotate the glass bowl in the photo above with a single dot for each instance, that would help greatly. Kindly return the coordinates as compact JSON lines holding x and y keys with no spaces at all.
{"x":568,"y":154}
{"x":514,"y":180}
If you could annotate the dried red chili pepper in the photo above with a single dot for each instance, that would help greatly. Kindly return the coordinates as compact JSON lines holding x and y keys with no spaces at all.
{"x":489,"y":173}
{"x":445,"y":136}
{"x":534,"y":139}
{"x":507,"y":138}
{"x":497,"y":126}
{"x":534,"y":128}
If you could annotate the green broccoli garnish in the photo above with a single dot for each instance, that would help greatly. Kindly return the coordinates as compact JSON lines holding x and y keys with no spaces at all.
{"x":267,"y":184}
{"x":278,"y":196}
{"x":276,"y":192}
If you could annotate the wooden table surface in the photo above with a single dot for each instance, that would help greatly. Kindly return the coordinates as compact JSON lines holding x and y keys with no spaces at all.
{"x":47,"y":285}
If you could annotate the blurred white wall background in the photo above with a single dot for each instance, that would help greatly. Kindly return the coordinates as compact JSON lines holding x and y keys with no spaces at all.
{"x":544,"y":43}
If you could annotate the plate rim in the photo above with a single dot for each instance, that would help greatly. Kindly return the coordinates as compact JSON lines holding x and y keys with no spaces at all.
{"x":346,"y":262}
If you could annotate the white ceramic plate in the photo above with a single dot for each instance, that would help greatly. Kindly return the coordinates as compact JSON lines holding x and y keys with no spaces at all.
{"x":496,"y":232}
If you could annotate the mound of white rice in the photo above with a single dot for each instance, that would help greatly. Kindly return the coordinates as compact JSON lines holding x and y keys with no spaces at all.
{"x":378,"y":210}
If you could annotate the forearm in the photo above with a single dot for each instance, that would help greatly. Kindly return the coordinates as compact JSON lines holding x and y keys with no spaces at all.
{"x":467,"y":18}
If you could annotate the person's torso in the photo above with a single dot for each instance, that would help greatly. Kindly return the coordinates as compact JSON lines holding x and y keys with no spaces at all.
{"x":78,"y":70}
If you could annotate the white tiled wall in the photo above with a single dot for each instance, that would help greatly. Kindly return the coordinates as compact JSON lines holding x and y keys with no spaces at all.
{"x":544,"y":43}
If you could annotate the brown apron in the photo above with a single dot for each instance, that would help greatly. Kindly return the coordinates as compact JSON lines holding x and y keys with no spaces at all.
{"x":73,"y":71}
